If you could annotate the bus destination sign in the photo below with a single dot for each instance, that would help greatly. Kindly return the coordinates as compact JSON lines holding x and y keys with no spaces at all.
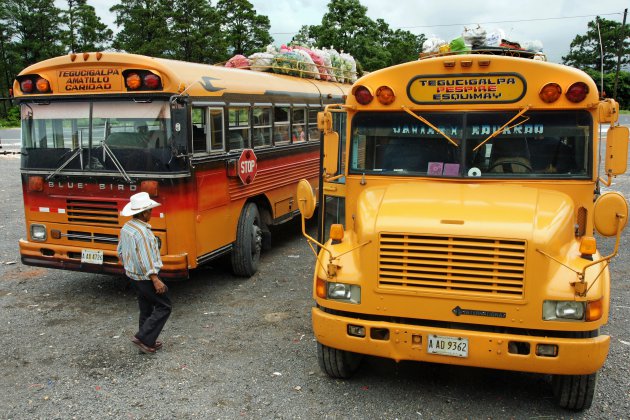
{"x":468,"y":88}
{"x":89,"y":80}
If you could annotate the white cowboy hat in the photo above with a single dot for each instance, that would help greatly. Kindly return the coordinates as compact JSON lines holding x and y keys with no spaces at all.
{"x":138,"y":203}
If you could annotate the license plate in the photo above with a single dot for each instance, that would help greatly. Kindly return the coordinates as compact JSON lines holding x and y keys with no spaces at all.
{"x":447,"y":346}
{"x":92,"y":257}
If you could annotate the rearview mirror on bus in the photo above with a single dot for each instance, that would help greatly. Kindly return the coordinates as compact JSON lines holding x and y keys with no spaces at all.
{"x":331,"y":153}
{"x":617,"y":150}
{"x":306,"y":199}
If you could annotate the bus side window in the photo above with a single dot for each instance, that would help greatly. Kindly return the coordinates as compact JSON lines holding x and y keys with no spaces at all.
{"x":238,"y":125}
{"x":198,"y":130}
{"x":217,"y":139}
{"x":313,"y":131}
{"x":261,"y":136}
{"x":281,"y":124}
{"x":299,"y":125}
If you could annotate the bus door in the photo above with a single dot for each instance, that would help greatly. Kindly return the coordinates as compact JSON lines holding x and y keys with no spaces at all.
{"x":333,"y":192}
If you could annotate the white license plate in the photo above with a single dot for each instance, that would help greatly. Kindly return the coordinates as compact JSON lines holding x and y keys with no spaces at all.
{"x":447,"y":346}
{"x":91,"y":257}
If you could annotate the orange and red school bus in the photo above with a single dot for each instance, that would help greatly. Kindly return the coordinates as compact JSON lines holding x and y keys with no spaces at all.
{"x":218,"y":147}
{"x":459,"y":205}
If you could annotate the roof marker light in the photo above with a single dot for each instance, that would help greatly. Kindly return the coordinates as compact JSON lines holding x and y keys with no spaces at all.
{"x":133,"y":81}
{"x":385,"y":95}
{"x":550,"y":92}
{"x":363,"y":95}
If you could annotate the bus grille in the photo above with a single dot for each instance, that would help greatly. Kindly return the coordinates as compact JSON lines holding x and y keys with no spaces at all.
{"x":100,"y":213}
{"x":453,"y":265}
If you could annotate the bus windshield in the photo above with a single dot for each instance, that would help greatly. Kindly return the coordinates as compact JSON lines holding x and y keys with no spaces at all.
{"x":549,"y":144}
{"x":103,"y":136}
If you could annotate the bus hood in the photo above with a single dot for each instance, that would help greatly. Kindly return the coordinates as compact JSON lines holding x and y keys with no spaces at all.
{"x":476,"y":210}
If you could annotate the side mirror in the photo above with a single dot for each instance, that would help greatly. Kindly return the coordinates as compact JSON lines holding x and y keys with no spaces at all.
{"x":617,"y":150}
{"x":306,"y":199}
{"x":610,"y":214}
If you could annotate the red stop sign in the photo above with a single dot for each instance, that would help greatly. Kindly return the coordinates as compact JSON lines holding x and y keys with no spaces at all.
{"x":247,"y":166}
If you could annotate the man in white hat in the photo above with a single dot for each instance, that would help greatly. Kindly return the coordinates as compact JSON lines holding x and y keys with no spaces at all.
{"x":139,"y":252}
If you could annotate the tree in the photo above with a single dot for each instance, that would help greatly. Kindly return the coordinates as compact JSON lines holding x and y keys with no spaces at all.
{"x":303,"y":37}
{"x":85,"y":31}
{"x":585,"y":49}
{"x":145,"y":27}
{"x":197,"y":30}
{"x":35,"y":30}
{"x":245,"y":31}
{"x":374,"y":45}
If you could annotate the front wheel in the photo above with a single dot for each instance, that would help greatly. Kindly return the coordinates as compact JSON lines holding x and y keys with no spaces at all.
{"x":249,"y":234}
{"x":574,"y":392}
{"x":337,"y":363}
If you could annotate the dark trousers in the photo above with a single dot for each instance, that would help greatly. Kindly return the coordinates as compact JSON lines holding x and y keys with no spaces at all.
{"x":154,"y":311}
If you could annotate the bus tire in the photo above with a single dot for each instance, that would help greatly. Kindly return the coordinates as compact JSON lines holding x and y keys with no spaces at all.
{"x":574,"y":392}
{"x":246,"y":250}
{"x":337,"y":363}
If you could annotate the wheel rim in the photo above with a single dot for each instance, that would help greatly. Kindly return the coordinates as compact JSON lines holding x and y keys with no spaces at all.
{"x":256,"y":240}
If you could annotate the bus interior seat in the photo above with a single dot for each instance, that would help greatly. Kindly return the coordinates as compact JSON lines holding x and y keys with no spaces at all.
{"x":510,"y":156}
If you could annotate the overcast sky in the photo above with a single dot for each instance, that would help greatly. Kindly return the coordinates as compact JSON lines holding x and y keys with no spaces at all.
{"x":553,"y":22}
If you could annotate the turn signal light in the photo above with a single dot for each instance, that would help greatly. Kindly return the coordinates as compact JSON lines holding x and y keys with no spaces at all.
{"x":588,"y":245}
{"x":363,"y":95}
{"x":577,"y":92}
{"x":42,"y":85}
{"x":594,"y":309}
{"x":133,"y":81}
{"x":320,"y":288}
{"x":385,"y":95}
{"x":550,"y":92}
{"x":35,"y":183}
{"x":336,"y":232}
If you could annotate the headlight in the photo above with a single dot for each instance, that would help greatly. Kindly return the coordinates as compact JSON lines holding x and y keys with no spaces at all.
{"x":563,"y":309}
{"x":343,"y":292}
{"x":38,"y":233}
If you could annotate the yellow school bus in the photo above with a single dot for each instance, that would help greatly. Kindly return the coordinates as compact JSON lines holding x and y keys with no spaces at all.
{"x":459,"y":203}
{"x":222,"y":149}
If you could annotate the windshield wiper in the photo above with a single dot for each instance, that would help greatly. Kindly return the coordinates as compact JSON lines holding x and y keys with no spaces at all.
{"x":424,"y":120}
{"x":108,"y":152}
{"x":78,"y":151}
{"x":504,"y":126}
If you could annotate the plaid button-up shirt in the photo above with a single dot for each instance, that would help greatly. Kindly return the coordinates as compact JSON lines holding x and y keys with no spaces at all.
{"x":138,"y":250}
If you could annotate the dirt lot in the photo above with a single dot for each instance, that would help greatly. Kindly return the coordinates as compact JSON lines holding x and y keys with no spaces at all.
{"x":237,"y":348}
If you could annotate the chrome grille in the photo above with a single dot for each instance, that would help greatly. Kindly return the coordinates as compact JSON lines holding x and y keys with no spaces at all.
{"x":452,"y":265}
{"x":103,"y":213}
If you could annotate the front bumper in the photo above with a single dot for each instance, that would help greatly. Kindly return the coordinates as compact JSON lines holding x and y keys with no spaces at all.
{"x":576,"y":356}
{"x":69,"y":258}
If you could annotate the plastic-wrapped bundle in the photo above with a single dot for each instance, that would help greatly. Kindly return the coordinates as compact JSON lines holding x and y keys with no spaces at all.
{"x":535,"y":45}
{"x":327,"y":73}
{"x":238,"y":61}
{"x":493,"y":38}
{"x":288,"y":62}
{"x":261,"y":61}
{"x":318,"y":60}
{"x":432,"y":45}
{"x":349,"y":67}
{"x":475,"y":37}
{"x":458,"y":45}
{"x":337,"y":64}
{"x":308,"y":65}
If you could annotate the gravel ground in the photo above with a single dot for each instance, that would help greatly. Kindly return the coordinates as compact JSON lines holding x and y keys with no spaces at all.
{"x":238,"y":348}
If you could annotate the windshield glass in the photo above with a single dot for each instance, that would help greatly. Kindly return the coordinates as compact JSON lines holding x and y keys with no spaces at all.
{"x":552,"y":144}
{"x":98,"y":136}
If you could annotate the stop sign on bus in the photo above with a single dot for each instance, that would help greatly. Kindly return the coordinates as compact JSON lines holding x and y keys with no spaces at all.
{"x":247,"y":166}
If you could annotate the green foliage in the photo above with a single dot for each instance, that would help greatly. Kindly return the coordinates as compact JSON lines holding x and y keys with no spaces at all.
{"x":144,"y":26}
{"x":245,"y":31}
{"x":623,"y":86}
{"x":197,"y":29}
{"x":374,"y":45}
{"x":585,"y":49}
{"x":12,"y":118}
{"x":84,"y":30}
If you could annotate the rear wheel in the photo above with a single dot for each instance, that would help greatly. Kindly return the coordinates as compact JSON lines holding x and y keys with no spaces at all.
{"x":574,"y":392}
{"x":337,"y":363}
{"x":246,"y":251}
